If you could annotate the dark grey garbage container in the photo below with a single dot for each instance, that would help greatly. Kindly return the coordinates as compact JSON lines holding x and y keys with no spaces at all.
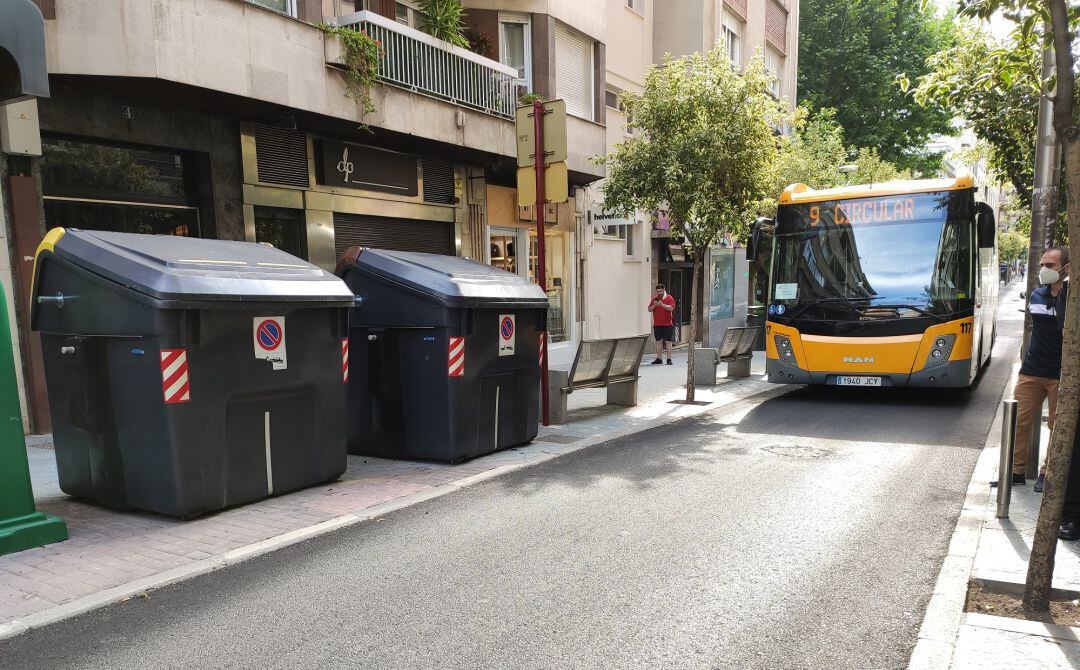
{"x":189,"y":375}
{"x":444,"y":356}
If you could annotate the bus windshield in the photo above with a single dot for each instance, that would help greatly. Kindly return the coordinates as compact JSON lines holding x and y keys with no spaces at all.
{"x":899,"y":256}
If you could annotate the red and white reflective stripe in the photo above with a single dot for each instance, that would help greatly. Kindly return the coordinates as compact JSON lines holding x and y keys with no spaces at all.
{"x":542,"y":336}
{"x":174,"y":375}
{"x":345,"y":360}
{"x":455,"y":362}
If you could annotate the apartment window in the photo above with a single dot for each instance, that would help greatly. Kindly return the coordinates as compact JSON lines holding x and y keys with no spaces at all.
{"x":732,"y":32}
{"x":636,"y":5}
{"x":515,"y":46}
{"x":774,"y":63}
{"x":283,"y":6}
{"x":611,"y":98}
{"x":407,"y":14}
{"x":574,"y":71}
{"x":629,"y":236}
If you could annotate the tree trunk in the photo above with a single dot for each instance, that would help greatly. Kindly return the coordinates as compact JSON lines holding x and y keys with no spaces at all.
{"x":690,"y":388}
{"x":1041,"y":564}
{"x":1040,"y":573}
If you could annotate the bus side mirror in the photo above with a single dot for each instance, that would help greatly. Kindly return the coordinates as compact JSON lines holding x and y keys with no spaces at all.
{"x":985,"y":225}
{"x":753,"y":245}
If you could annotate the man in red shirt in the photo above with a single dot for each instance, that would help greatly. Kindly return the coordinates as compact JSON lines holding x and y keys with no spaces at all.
{"x":662,"y":305}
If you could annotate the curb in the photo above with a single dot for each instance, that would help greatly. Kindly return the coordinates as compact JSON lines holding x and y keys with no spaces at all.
{"x":139,"y":587}
{"x":940,"y":628}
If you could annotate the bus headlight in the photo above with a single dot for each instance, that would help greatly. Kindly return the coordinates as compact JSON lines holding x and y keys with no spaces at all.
{"x":942,"y":350}
{"x":783,"y":348}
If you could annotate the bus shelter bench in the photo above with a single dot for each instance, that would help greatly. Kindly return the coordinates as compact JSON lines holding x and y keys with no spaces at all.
{"x":611,"y":363}
{"x":736,"y":349}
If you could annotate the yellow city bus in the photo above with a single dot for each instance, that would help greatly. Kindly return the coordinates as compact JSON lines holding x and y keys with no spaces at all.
{"x":889,"y":284}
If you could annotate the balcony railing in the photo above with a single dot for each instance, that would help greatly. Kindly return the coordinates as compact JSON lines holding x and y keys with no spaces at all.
{"x":418,"y":62}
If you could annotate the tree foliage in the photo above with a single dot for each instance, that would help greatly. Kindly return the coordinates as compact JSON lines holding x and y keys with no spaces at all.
{"x":704,"y":151}
{"x":1012,"y":246}
{"x":814,"y":151}
{"x":850,"y":54}
{"x":995,"y":89}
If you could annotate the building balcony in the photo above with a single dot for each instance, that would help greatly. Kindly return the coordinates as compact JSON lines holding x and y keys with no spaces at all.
{"x":418,"y":62}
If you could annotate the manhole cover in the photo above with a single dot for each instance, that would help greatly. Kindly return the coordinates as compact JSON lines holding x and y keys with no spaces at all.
{"x":798,"y":451}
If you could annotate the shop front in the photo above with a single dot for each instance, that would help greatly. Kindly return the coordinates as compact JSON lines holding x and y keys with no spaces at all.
{"x":513,"y":246}
{"x":315,"y":196}
{"x":96,"y":185}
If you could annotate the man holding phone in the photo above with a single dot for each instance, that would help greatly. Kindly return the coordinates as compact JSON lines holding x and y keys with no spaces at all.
{"x":662,"y":306}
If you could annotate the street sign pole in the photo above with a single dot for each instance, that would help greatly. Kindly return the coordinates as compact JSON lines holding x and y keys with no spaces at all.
{"x":540,"y":162}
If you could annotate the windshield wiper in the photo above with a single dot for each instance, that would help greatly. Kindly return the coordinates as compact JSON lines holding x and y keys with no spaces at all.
{"x":803,"y":306}
{"x":919,"y":310}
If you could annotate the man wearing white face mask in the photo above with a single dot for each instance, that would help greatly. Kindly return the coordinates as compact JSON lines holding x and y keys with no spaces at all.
{"x":1039,"y":373}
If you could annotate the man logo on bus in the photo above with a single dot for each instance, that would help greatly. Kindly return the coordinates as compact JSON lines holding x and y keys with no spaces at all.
{"x":858,"y":359}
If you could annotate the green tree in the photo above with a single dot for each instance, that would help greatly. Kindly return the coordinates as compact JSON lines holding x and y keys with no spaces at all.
{"x":1012,"y":246}
{"x":704,"y":152}
{"x":850,"y":54}
{"x":994,"y":87}
{"x":1059,"y":18}
{"x":814,"y":151}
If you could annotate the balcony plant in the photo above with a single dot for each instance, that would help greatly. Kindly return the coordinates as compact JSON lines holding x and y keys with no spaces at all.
{"x":359,"y":55}
{"x":444,"y":20}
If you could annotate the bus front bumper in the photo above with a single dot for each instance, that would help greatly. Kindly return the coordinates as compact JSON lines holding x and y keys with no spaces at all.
{"x":953,"y":374}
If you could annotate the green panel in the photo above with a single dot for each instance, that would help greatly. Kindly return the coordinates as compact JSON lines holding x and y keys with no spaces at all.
{"x":21,"y":526}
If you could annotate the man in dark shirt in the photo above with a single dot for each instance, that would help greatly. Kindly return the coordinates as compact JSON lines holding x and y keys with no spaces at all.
{"x":1039,"y":373}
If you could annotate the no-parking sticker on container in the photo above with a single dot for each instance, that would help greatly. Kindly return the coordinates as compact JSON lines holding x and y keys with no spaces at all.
{"x":507,"y":334}
{"x":268,"y":333}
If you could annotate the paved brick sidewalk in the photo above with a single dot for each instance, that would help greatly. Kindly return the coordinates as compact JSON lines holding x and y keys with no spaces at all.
{"x":995,"y":552}
{"x":112,"y":555}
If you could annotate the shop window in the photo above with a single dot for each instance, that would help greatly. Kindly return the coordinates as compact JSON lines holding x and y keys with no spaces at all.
{"x":282,"y":228}
{"x":722,"y":282}
{"x":557,"y":266}
{"x":97,"y":186}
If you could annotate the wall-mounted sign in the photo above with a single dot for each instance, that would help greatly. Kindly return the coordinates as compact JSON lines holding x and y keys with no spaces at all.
{"x":602,"y":217}
{"x":661,"y":222}
{"x":360,"y":167}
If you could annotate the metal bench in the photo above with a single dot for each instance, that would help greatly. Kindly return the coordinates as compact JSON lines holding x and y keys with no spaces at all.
{"x":736,"y":349}
{"x":611,"y":363}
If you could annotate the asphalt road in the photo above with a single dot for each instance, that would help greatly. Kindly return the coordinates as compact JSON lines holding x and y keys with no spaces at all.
{"x":805,"y":531}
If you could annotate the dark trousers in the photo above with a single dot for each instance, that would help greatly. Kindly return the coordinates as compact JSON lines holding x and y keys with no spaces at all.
{"x":1071,"y":509}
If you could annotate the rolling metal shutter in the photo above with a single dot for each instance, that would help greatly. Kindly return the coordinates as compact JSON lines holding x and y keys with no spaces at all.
{"x":438,"y":180}
{"x":574,"y":71}
{"x":433,"y":237}
{"x":281,"y":156}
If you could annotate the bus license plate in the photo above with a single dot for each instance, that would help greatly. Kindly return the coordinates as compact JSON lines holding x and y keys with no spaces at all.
{"x":858,"y":381}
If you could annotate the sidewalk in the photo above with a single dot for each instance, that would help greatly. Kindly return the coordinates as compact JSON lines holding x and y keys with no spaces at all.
{"x":112,"y":555}
{"x":995,"y":552}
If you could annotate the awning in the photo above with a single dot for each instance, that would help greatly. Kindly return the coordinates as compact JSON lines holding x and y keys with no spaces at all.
{"x":23,"y":73}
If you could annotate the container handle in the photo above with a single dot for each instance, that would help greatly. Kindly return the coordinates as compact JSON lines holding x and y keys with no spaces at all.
{"x":57,"y":300}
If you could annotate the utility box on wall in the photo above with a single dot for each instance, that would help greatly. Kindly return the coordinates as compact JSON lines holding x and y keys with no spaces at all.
{"x":19,"y":130}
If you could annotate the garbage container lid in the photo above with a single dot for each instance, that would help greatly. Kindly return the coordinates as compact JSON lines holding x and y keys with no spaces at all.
{"x":167,"y":267}
{"x":449,"y":280}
